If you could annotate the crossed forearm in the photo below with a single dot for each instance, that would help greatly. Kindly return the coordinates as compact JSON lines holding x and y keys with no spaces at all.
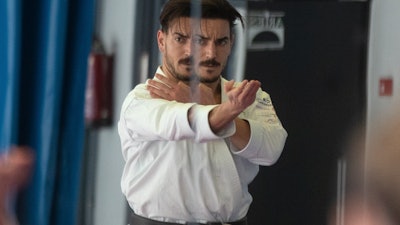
{"x":239,"y":98}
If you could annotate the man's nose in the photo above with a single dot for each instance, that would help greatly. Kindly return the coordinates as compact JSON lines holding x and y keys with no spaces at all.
{"x":210,"y":50}
{"x":187,"y":50}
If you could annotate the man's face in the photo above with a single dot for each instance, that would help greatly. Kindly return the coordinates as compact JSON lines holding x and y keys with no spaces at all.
{"x":195,"y":49}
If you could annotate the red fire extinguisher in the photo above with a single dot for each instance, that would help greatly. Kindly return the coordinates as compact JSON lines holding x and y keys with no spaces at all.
{"x":99,"y":88}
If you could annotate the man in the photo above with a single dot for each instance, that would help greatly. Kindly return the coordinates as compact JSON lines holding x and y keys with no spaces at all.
{"x":193,"y":141}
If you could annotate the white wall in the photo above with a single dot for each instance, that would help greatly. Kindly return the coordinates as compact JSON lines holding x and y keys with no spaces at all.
{"x":384,"y":58}
{"x":115,"y":25}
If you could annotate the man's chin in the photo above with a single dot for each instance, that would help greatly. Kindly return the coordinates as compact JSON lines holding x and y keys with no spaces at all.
{"x":184,"y":76}
{"x":209,"y":77}
{"x":210,"y":71}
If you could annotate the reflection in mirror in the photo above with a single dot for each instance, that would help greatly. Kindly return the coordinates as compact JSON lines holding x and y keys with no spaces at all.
{"x":323,"y":69}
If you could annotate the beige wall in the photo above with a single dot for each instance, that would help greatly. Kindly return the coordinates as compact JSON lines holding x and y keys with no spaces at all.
{"x":384,"y":58}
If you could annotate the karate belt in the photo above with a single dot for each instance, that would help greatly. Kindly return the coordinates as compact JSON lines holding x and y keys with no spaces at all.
{"x":139,"y":220}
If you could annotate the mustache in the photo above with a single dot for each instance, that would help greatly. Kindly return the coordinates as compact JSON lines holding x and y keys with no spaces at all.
{"x":186,"y":61}
{"x":208,"y":62}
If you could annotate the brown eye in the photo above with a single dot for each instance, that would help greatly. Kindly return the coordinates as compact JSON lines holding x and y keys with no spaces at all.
{"x":180,"y":39}
{"x":222,"y":42}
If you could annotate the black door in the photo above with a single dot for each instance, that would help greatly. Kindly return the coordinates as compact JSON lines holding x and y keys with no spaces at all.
{"x":311,"y":58}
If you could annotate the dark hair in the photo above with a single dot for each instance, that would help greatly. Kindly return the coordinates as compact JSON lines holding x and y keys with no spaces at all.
{"x":210,"y":9}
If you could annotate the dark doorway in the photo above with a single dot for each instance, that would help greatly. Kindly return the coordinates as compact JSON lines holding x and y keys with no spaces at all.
{"x":311,"y":58}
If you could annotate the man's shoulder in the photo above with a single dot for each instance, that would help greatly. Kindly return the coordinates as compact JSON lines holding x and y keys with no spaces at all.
{"x":138,"y":92}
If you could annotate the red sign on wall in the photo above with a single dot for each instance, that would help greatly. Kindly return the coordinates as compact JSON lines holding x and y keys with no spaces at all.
{"x":386,"y":87}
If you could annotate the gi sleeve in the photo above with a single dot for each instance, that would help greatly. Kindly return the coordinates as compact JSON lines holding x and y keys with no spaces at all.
{"x":148,"y":119}
{"x":268,"y":137}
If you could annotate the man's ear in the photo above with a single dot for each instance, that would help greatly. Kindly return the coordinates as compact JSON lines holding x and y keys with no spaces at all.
{"x":161,"y":40}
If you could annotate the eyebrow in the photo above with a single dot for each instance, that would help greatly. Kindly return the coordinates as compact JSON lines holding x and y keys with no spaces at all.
{"x":181,"y":34}
{"x":223,"y":39}
{"x":207,"y":38}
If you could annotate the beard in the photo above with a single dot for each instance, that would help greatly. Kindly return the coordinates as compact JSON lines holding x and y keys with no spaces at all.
{"x":193,"y":76}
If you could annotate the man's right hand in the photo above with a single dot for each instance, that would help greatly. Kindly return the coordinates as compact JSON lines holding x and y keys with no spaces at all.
{"x":171,"y":90}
